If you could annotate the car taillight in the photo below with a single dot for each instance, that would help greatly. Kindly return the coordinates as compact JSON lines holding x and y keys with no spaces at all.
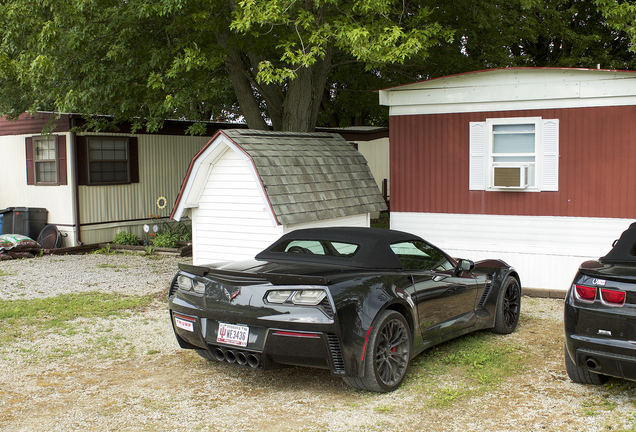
{"x":586,"y":293}
{"x":612,"y":297}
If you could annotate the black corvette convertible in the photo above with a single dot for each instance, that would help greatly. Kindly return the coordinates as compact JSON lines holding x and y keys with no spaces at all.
{"x":600,"y":316}
{"x":360,"y":302}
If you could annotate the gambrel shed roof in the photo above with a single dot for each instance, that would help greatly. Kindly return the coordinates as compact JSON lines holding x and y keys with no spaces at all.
{"x":303,"y":176}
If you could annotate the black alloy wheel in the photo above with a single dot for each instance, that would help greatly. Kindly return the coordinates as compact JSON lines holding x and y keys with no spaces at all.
{"x":387,"y":356}
{"x":508,"y":306}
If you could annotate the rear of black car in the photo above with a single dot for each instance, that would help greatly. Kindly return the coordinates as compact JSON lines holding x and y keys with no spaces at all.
{"x":256,"y":321}
{"x":600,"y":322}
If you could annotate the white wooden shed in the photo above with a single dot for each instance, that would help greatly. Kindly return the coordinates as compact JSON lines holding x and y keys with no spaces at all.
{"x":246,"y":188}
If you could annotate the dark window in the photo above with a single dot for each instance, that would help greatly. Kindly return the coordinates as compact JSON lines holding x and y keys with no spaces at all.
{"x":46,"y":160}
{"x":417,"y":255}
{"x":108,"y":160}
{"x":104,"y":160}
{"x":318,"y":247}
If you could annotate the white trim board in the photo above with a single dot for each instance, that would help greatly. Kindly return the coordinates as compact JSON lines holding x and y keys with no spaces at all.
{"x":512,"y":90}
{"x":546,"y":251}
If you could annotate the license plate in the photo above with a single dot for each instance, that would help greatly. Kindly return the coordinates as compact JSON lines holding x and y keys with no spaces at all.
{"x":232,"y":334}
{"x":183,"y":324}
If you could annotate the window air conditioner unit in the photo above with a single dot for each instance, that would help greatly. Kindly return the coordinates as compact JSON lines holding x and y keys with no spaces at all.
{"x":510,"y":177}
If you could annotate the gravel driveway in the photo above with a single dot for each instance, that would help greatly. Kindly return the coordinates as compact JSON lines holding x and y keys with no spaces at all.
{"x":127,"y":373}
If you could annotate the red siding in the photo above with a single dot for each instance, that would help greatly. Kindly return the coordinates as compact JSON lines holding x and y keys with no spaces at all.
{"x":429,"y":165}
{"x":33,"y":124}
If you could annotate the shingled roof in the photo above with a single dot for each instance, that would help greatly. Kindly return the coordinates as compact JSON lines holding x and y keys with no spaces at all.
{"x":305,"y":176}
{"x":310,"y":176}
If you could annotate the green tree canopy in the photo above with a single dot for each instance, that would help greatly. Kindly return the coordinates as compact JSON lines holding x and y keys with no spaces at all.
{"x":532,"y":33}
{"x":148,"y":60}
{"x":288,"y":64}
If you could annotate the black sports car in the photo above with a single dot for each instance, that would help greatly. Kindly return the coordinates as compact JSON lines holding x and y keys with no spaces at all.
{"x":600,"y":316}
{"x":360,"y":302}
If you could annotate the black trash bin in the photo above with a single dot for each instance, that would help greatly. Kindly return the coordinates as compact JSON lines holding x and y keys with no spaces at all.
{"x":27,"y":221}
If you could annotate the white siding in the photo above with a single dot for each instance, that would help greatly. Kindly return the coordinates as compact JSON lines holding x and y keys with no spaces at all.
{"x":376,"y":153}
{"x":361,"y":220}
{"x":512,"y":89}
{"x":232,"y":221}
{"x":546,"y":251}
{"x":14,"y":191}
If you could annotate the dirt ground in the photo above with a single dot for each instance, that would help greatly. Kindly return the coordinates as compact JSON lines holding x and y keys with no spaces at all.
{"x":127,"y":373}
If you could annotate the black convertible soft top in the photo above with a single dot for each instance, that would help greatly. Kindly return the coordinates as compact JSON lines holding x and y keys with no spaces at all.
{"x":623,"y":250}
{"x":374,"y":252}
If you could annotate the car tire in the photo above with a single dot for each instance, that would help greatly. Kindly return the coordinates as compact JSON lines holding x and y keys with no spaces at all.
{"x":206,"y":355}
{"x":387,"y":355}
{"x":508,"y":306}
{"x":581,"y":375}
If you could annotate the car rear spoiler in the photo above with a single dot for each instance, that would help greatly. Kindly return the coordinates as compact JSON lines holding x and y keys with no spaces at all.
{"x":238,"y":277}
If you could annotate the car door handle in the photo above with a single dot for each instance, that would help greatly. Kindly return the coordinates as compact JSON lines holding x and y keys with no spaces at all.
{"x":438,"y":278}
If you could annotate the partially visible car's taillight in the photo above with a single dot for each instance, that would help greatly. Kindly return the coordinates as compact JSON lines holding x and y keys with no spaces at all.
{"x":585,"y":293}
{"x":308,"y":297}
{"x":279,"y":296}
{"x":302,"y":297}
{"x":189,"y":284}
{"x":612,"y":297}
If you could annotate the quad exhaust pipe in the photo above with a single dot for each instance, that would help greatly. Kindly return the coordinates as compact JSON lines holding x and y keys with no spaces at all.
{"x":241,"y":358}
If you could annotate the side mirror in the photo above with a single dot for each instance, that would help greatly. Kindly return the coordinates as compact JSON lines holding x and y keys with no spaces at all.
{"x":464,"y":265}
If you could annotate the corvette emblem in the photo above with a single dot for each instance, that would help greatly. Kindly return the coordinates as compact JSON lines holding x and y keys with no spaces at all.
{"x":231,"y":296}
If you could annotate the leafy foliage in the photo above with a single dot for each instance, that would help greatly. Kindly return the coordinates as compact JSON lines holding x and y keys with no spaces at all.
{"x":126,"y":238}
{"x":538,"y":33}
{"x":621,"y":16}
{"x":170,"y":234}
{"x":145,"y":61}
{"x":288,"y":64}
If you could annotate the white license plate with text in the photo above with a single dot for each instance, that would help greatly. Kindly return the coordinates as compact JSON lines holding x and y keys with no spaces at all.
{"x":232,"y":334}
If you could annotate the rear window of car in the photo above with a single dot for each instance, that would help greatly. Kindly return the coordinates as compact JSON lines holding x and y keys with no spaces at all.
{"x":318,"y":247}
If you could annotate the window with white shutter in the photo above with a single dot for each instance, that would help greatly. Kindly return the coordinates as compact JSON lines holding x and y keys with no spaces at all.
{"x":514,"y":154}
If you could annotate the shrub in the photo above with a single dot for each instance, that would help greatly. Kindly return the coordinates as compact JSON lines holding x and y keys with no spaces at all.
{"x":126,"y":238}
{"x":170,"y":234}
{"x":165,"y":239}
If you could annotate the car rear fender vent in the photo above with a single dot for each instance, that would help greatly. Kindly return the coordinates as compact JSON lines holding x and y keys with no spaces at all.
{"x":336,"y":354}
{"x":174,"y":286}
{"x":326,"y":307}
{"x":484,"y":296}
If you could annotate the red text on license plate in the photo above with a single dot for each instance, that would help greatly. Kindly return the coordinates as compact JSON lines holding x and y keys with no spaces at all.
{"x":232,"y":334}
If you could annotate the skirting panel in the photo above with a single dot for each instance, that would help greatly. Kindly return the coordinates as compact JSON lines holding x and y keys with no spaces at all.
{"x":546,"y":251}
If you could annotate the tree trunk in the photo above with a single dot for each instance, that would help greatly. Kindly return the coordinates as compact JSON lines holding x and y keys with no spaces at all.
{"x":303,"y":97}
{"x":238,"y":72}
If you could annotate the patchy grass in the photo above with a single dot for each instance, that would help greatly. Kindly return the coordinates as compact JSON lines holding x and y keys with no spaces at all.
{"x":17,"y":316}
{"x":112,"y":266}
{"x":464,"y":367}
{"x":5,"y":273}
